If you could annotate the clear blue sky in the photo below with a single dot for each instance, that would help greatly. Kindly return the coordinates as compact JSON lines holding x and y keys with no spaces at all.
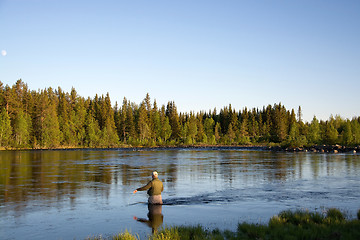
{"x":201,"y":54}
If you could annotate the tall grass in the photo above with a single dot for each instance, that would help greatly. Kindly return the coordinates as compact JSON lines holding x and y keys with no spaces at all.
{"x":297,"y":224}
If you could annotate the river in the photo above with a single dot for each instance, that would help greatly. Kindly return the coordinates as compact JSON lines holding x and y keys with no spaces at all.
{"x":75,"y":194}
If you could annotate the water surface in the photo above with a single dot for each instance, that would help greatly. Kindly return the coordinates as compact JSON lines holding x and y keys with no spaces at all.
{"x":81,"y":193}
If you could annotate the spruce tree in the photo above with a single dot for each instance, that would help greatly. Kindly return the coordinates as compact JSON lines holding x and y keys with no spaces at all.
{"x":200,"y":136}
{"x":22,"y":129}
{"x":355,"y":129}
{"x":209,"y":125}
{"x":331,"y":134}
{"x":78,"y":117}
{"x":231,"y":134}
{"x":279,"y":123}
{"x":244,"y":121}
{"x":143,"y":127}
{"x":314,"y":132}
{"x":156,"y":122}
{"x":217,"y":132}
{"x":92,"y":131}
{"x":166,"y":130}
{"x":50,"y":132}
{"x":130,"y":122}
{"x":253,"y":124}
{"x":172,"y":114}
{"x":5,"y":128}
{"x":347,"y":135}
{"x":192,"y":128}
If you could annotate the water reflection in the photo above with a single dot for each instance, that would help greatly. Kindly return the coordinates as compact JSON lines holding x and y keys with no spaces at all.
{"x":155,"y":217}
{"x":58,"y":176}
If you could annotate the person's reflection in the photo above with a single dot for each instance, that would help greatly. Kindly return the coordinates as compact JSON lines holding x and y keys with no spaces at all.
{"x":155,"y":217}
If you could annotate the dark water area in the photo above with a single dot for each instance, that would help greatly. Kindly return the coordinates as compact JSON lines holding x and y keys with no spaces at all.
{"x":81,"y":193}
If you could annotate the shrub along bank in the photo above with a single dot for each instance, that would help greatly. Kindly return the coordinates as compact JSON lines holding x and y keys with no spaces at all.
{"x":286,"y":225}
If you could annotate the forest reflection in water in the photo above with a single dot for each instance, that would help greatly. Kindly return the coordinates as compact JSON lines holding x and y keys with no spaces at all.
{"x":100,"y":181}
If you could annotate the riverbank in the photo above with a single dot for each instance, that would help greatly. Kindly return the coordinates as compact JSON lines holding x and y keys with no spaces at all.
{"x":331,"y":224}
{"x":317,"y":149}
{"x":270,"y":147}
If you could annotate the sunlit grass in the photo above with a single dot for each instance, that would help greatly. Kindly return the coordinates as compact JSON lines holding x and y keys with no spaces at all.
{"x":121,"y":236}
{"x":298,"y":224}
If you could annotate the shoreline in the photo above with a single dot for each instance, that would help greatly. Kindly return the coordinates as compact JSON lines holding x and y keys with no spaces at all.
{"x":315,"y":148}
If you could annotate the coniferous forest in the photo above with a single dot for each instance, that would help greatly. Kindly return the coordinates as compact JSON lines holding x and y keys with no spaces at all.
{"x":51,"y":118}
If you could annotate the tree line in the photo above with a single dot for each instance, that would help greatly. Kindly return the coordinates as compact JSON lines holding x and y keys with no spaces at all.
{"x":51,"y":118}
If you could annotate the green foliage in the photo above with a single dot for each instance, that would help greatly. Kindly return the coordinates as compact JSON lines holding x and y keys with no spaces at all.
{"x":251,"y":231}
{"x":314,"y":134}
{"x":166,"y":234}
{"x":92,"y":130}
{"x":50,"y":119}
{"x":297,"y":217}
{"x":125,"y":236}
{"x":334,"y":215}
{"x":22,"y":130}
{"x":5,"y":128}
{"x":331,"y":135}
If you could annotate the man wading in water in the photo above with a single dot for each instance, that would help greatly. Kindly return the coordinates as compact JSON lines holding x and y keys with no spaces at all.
{"x":154,"y":187}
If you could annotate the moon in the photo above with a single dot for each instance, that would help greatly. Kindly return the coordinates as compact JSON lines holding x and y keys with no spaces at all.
{"x":3,"y":52}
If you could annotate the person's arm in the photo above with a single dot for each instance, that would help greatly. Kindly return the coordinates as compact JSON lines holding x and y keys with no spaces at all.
{"x":146,"y":187}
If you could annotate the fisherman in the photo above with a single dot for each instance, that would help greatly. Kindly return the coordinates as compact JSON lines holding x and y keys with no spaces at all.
{"x":154,"y":187}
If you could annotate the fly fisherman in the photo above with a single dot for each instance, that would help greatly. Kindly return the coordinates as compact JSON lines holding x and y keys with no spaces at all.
{"x":154,"y":187}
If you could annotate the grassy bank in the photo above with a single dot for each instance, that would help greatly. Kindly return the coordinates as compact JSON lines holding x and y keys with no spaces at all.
{"x":286,"y":225}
